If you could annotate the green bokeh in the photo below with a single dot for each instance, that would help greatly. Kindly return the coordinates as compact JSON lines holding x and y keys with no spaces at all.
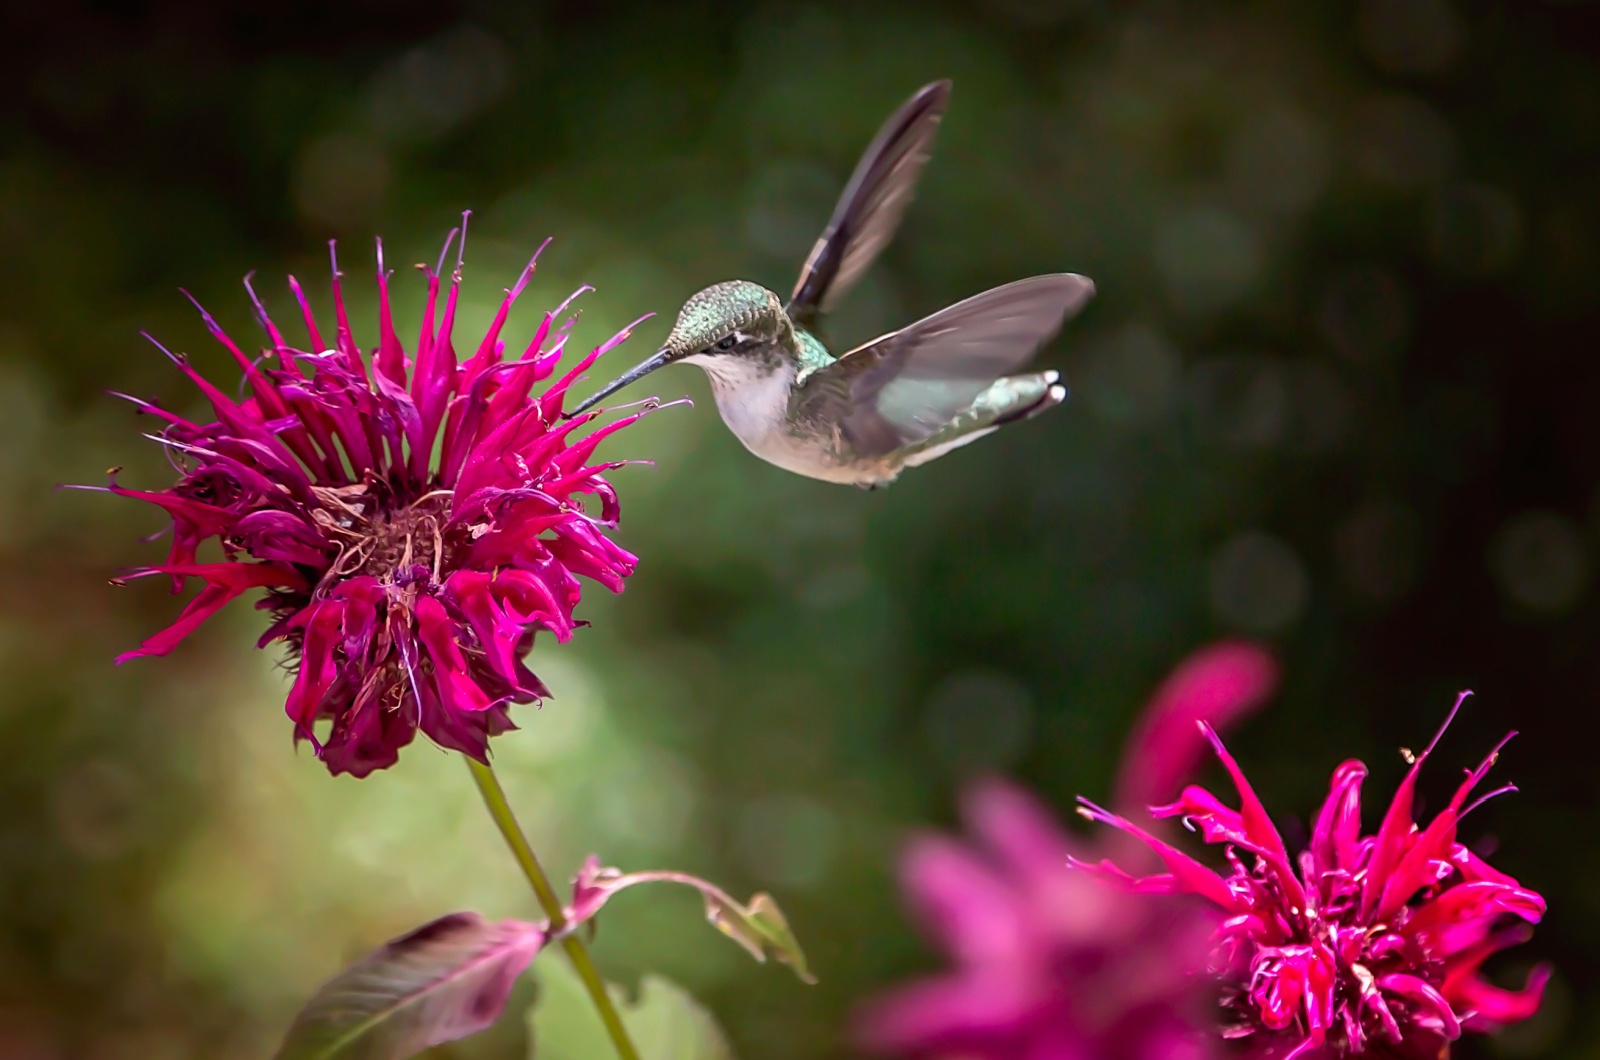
{"x":1337,"y":391}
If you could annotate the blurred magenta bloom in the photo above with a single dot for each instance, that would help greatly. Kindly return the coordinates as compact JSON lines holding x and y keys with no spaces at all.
{"x":1048,"y":964}
{"x":413,"y":519}
{"x":1373,"y":947}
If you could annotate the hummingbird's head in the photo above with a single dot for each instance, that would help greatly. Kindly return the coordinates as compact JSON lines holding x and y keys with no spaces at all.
{"x":724,"y":320}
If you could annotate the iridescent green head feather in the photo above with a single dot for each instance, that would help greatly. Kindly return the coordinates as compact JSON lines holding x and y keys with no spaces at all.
{"x":720,"y":310}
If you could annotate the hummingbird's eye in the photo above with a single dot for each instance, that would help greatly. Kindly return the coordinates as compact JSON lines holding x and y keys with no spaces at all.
{"x":727,"y":343}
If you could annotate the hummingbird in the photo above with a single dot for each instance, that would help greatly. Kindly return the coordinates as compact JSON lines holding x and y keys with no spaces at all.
{"x":899,"y":401}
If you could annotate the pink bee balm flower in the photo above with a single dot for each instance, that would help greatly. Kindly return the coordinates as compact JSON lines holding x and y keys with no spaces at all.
{"x":414,"y":519}
{"x":1361,"y":945}
{"x":1049,"y":965}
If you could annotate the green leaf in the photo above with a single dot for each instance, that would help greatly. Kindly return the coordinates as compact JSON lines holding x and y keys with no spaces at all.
{"x":445,"y":980}
{"x":665,"y":1023}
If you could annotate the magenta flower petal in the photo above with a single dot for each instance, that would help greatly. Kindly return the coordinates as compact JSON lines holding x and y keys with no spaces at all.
{"x":1337,"y":831}
{"x":958,"y":1009}
{"x":963,"y":902}
{"x":1489,"y":1006}
{"x":1184,"y":873}
{"x":1221,"y":685}
{"x":225,"y":582}
{"x":1019,"y":831}
{"x":1374,"y":945}
{"x":415,"y":520}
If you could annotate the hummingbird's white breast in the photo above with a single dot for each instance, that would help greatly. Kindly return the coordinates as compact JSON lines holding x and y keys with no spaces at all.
{"x":753,"y":398}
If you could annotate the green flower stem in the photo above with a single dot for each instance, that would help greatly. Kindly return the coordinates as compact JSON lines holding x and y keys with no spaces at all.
{"x":494,"y":797}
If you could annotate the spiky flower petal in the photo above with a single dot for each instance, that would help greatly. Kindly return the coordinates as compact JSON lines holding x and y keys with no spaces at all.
{"x":1361,"y":945}
{"x":413,"y":517}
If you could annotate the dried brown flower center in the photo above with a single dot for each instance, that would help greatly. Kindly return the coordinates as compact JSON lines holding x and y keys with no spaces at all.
{"x":411,"y":537}
{"x":399,"y":541}
{"x":390,"y":544}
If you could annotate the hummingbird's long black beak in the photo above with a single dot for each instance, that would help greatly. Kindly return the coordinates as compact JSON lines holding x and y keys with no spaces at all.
{"x":661,"y":357}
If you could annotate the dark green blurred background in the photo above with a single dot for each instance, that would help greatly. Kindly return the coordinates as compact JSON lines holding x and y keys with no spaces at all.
{"x":1338,"y":391}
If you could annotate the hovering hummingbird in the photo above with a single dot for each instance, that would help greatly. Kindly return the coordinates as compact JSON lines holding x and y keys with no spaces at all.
{"x":898,"y":401}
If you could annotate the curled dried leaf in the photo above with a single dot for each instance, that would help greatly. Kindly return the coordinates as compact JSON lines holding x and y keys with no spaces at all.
{"x":760,"y":926}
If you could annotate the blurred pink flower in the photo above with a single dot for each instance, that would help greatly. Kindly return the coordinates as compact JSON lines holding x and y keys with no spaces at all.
{"x":1048,"y":964}
{"x":413,"y":520}
{"x":1373,"y":947}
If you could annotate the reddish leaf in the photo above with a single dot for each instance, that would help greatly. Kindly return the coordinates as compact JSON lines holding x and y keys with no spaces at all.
{"x":446,"y":980}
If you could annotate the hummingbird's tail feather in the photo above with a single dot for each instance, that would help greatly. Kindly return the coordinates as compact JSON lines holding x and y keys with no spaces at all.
{"x":1030,"y":395}
{"x":1008,"y":400}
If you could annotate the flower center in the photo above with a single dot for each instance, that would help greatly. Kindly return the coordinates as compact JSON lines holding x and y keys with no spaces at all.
{"x":393,"y":545}
{"x":409,"y":538}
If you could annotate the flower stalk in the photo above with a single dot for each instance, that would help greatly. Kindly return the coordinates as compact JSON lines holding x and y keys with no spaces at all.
{"x":494,"y":798}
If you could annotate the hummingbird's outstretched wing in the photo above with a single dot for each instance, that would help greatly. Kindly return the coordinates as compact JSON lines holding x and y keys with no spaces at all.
{"x":872,"y":204}
{"x":902,"y":388}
